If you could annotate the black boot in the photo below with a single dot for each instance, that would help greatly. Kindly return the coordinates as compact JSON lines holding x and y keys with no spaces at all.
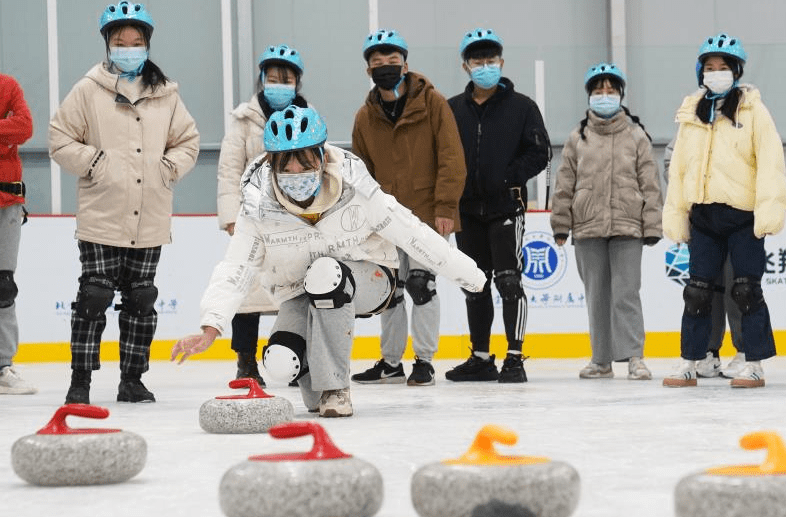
{"x":79,"y":391}
{"x":131,"y":389}
{"x":247,"y":367}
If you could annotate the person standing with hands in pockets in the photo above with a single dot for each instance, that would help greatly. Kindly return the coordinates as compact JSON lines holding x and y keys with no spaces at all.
{"x":16,"y":127}
{"x":608,"y":195}
{"x":124,"y":131}
{"x":727,"y":192}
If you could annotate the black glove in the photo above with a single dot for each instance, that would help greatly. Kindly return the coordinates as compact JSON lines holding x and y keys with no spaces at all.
{"x":558,"y":236}
{"x":651,"y":241}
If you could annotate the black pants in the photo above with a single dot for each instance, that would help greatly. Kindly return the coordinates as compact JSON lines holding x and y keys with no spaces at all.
{"x":495,"y":245}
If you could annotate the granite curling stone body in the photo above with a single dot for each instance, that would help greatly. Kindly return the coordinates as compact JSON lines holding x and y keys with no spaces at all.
{"x":324,"y":482}
{"x":484,"y":483}
{"x":738,"y":491}
{"x":58,"y":455}
{"x":254,"y":412}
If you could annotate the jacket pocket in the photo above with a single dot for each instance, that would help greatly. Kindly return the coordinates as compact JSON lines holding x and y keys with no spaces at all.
{"x":631,"y":203}
{"x":583,"y":207}
{"x":96,"y":172}
{"x":167,"y":174}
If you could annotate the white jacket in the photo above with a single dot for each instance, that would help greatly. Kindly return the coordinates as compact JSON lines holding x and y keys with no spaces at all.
{"x":363,"y":224}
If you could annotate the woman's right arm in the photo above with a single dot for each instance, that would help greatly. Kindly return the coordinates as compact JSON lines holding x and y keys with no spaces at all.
{"x":68,"y":131}
{"x":231,"y":164}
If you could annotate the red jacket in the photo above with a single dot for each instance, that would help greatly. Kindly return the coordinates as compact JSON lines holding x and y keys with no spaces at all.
{"x":16,"y":127}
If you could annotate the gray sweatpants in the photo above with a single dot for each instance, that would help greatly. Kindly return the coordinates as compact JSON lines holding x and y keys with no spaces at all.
{"x":10,"y":233}
{"x":425,"y":321}
{"x":611,"y":271}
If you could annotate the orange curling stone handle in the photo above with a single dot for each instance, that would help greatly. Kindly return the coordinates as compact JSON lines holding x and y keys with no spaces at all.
{"x":774,"y":464}
{"x":58,"y":424}
{"x":482,"y":451}
{"x":255,"y":391}
{"x":323,"y":449}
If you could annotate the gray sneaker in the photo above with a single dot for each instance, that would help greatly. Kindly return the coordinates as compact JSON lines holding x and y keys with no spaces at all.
{"x":637,"y":370}
{"x":335,"y":403}
{"x":12,"y":384}
{"x":596,"y":371}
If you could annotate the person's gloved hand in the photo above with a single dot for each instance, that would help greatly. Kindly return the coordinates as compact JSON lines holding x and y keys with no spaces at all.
{"x":560,"y":238}
{"x":651,"y":241}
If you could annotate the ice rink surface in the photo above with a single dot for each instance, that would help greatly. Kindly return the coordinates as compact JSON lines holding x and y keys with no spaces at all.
{"x":631,"y":441}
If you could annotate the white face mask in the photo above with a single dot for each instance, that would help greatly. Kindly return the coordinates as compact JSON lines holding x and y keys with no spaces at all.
{"x":719,"y":82}
{"x":301,"y":185}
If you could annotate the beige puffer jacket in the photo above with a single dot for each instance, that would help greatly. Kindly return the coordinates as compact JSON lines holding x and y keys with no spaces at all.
{"x":243,"y":143}
{"x":129,"y":146}
{"x":740,"y":165}
{"x":608,"y":184}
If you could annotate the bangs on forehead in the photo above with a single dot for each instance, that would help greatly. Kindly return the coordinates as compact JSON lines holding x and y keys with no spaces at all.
{"x":308,"y":158}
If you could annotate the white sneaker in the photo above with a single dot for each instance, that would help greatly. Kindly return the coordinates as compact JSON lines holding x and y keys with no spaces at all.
{"x":335,"y":403}
{"x":596,"y":371}
{"x":735,"y":366}
{"x":751,"y":376}
{"x":708,"y":367}
{"x":684,"y":375}
{"x":637,"y":370}
{"x":12,"y":384}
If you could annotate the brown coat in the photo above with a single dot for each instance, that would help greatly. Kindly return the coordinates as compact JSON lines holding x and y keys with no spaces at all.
{"x":419,"y":160}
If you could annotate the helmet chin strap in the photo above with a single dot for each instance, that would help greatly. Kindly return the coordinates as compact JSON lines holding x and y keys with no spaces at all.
{"x":715,"y":96}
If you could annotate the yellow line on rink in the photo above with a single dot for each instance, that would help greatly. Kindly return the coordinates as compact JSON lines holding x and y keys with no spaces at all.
{"x":551,"y":346}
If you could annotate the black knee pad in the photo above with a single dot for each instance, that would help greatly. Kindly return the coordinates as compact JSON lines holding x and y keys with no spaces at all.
{"x":421,"y":286}
{"x":284,"y":356}
{"x":329,"y":283}
{"x":746,"y":293}
{"x":95,"y":296}
{"x":509,"y":286}
{"x":8,"y":289}
{"x":140,"y":299}
{"x":698,"y":296}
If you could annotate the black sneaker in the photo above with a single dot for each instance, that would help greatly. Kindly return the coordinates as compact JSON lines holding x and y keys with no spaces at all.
{"x":381,"y":373}
{"x":247,"y":368}
{"x":474,"y":369}
{"x":132,"y":390}
{"x":79,"y":391}
{"x":422,"y":373}
{"x":513,"y":369}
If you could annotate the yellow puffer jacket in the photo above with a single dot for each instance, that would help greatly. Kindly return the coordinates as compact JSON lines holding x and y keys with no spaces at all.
{"x":739,"y":165}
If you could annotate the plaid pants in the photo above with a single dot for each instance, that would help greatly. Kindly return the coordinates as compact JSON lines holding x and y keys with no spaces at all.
{"x":121,"y":267}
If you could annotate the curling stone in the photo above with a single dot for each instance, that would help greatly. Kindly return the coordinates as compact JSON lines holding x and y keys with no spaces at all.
{"x":483,"y":483}
{"x":741,"y":490}
{"x":324,"y":482}
{"x":58,"y":455}
{"x":254,"y":412}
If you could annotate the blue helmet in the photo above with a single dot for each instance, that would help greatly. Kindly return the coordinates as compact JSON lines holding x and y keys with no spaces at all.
{"x":124,"y":13}
{"x":476,"y":36}
{"x":721,"y":45}
{"x":384,"y":37}
{"x":603,"y":69}
{"x":294,"y":128}
{"x":282,"y":54}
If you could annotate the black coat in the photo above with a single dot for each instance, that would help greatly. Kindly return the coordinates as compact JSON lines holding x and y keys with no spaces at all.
{"x":504,"y":147}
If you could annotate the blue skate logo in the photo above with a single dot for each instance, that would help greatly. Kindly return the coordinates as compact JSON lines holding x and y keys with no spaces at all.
{"x":544,"y":262}
{"x":677,"y":262}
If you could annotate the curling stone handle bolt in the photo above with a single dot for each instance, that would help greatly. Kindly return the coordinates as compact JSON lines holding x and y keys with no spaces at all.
{"x":775,"y":463}
{"x":323,"y":448}
{"x":57,"y":425}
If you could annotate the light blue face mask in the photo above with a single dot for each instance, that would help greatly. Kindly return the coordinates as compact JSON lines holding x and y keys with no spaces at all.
{"x":486,"y":76}
{"x":605,"y":106}
{"x":128,"y":59}
{"x":279,"y":96}
{"x":300,"y":185}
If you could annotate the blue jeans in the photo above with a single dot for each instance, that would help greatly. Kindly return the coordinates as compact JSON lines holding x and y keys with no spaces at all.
{"x":716,"y":230}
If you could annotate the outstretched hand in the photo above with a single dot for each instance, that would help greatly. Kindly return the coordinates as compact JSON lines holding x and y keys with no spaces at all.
{"x":193,"y":344}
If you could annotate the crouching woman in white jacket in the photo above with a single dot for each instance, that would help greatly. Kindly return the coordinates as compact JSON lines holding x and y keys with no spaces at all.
{"x":322,"y":237}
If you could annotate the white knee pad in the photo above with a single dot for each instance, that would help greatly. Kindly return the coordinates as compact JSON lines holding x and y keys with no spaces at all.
{"x":284,"y":357}
{"x":329,"y":283}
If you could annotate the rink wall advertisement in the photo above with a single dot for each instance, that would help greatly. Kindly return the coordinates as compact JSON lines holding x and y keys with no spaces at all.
{"x":49,"y":268}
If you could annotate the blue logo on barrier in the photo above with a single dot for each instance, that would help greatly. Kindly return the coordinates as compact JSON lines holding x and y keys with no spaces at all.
{"x":545,"y":263}
{"x":677,"y":262}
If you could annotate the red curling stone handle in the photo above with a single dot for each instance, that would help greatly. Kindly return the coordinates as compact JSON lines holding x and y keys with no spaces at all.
{"x":255,"y":391}
{"x":323,"y":449}
{"x":57,"y":425}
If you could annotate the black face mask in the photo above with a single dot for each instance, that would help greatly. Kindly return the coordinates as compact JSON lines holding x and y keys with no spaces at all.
{"x":386,"y":76}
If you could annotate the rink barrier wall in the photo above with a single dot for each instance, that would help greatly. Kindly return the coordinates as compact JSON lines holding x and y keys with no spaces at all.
{"x":538,"y":346}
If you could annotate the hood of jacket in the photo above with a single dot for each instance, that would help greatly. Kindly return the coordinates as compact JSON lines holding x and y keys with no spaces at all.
{"x":687,"y":111}
{"x":131,"y":90}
